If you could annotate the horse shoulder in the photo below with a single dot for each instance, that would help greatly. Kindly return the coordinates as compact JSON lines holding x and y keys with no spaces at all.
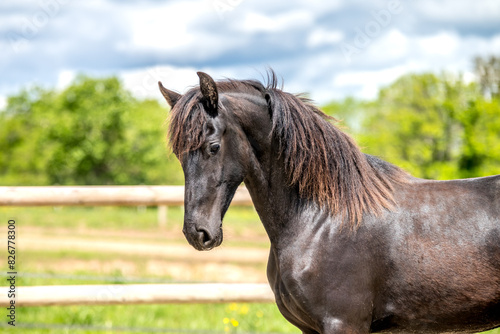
{"x":324,"y":275}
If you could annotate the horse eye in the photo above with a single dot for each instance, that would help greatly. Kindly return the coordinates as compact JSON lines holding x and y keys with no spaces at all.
{"x":214,"y":148}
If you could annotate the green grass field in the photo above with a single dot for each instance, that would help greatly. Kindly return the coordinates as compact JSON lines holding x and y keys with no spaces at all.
{"x":223,"y":318}
{"x":58,"y":266}
{"x":52,"y":266}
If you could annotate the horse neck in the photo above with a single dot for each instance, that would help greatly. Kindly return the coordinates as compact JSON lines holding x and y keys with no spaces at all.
{"x":266,"y":179}
{"x":274,"y":200}
{"x":280,"y":205}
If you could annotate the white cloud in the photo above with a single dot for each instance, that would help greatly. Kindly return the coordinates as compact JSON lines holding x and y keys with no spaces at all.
{"x":367,"y":83}
{"x":320,"y":37}
{"x":181,"y":32}
{"x":255,"y":22}
{"x":443,"y":44}
{"x":65,"y":78}
{"x":391,"y":46}
{"x":463,"y":11}
{"x":163,"y":27}
{"x":143,"y":83}
{"x":320,"y":6}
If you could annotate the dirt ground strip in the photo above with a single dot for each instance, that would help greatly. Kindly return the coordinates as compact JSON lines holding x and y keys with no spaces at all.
{"x":119,"y":252}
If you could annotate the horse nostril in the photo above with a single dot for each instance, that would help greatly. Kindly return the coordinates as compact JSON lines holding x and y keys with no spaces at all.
{"x":203,"y":236}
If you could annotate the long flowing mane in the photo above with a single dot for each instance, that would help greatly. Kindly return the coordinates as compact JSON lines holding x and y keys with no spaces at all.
{"x":322,"y":161}
{"x":326,"y":164}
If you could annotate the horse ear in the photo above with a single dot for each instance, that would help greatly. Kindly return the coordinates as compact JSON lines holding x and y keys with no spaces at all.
{"x":170,"y":96}
{"x":210,"y":94}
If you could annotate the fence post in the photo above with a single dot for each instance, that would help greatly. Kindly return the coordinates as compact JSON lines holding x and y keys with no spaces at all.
{"x":162,"y":216}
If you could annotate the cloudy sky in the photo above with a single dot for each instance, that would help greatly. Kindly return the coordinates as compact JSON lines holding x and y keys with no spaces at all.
{"x":329,"y":49}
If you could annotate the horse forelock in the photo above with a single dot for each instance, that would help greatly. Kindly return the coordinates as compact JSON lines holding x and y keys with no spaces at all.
{"x":186,"y":123}
{"x":187,"y":119}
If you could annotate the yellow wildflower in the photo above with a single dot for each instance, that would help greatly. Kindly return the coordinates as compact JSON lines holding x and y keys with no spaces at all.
{"x":233,"y":307}
{"x":244,"y":309}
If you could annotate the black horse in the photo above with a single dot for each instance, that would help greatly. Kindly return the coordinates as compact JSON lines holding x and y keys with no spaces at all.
{"x":357,"y":245}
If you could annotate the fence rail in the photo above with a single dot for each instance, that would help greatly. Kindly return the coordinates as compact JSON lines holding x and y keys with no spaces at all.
{"x":138,"y":294}
{"x":102,"y":195}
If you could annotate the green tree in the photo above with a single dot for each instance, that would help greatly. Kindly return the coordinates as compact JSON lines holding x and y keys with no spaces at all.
{"x":24,"y":146}
{"x":349,"y":112}
{"x":435,"y":127}
{"x":93,"y":132}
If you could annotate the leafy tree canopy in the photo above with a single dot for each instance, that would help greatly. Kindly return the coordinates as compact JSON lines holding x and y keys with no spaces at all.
{"x":93,"y":132}
{"x":434,"y":126}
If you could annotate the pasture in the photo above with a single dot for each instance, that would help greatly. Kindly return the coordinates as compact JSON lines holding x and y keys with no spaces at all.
{"x":106,"y":245}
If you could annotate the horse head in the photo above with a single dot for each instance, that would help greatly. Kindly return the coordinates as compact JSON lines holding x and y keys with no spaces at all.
{"x":214,"y":154}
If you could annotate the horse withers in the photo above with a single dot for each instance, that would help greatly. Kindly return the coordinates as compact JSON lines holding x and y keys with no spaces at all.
{"x":357,"y":244}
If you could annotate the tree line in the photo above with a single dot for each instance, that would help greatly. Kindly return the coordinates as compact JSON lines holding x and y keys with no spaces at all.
{"x":95,"y":132}
{"x":433,"y":126}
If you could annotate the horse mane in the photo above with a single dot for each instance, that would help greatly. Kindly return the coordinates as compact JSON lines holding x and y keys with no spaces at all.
{"x":323,"y":162}
{"x":326,"y":164}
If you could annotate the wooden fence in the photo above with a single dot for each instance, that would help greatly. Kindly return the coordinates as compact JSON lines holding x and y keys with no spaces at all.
{"x":160,"y":196}
{"x":113,"y":294}
{"x":102,"y":195}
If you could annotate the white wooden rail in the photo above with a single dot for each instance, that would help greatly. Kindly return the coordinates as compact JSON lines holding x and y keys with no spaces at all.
{"x":138,"y":294}
{"x":160,"y":196}
{"x":102,"y":195}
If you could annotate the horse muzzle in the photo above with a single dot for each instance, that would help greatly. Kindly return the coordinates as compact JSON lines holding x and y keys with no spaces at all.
{"x":202,"y":238}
